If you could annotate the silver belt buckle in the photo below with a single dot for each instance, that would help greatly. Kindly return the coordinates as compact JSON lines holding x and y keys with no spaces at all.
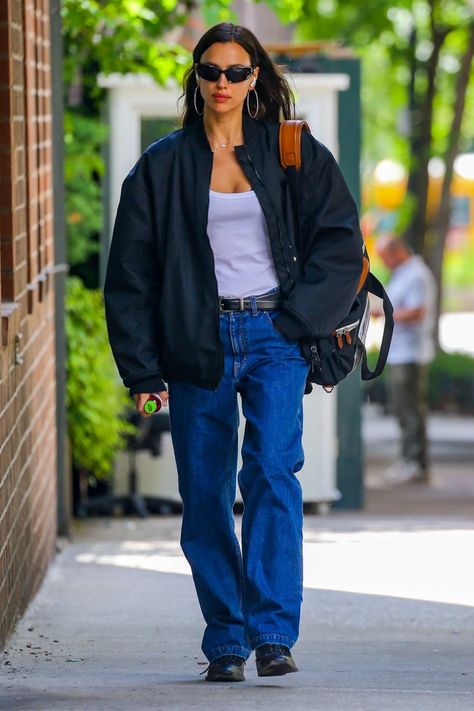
{"x":241,"y":302}
{"x":221,"y":304}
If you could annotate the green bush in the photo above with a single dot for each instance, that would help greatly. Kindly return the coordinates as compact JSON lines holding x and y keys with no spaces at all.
{"x":83,"y":168}
{"x":96,"y":400}
{"x":450,"y":383}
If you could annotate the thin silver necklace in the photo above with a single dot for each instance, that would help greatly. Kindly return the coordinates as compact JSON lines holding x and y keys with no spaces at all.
{"x":222,"y":145}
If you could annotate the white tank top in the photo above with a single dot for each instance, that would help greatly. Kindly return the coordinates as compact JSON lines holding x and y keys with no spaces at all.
{"x":239,"y":240}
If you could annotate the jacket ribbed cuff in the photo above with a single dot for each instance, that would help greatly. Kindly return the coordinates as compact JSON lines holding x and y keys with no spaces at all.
{"x":150,"y":384}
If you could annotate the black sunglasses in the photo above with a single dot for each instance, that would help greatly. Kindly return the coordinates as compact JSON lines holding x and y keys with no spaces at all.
{"x":210,"y":72}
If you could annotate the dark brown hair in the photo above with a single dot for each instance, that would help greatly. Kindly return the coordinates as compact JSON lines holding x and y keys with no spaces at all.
{"x":274,"y":93}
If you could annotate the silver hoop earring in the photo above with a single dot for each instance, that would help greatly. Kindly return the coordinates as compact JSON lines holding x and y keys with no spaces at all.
{"x":199,"y":113}
{"x":248,"y":104}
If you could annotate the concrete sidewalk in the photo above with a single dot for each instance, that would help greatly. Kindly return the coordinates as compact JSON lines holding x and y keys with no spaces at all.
{"x":451,"y":437}
{"x":387,"y":623}
{"x":451,"y":447}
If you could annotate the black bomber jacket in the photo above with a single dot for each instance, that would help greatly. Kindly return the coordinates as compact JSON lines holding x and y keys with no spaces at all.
{"x":160,"y":292}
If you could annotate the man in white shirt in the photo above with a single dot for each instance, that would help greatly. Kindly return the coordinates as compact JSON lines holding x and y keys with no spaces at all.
{"x":412,"y":291}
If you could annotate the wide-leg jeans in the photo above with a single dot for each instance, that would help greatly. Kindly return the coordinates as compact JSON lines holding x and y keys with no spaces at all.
{"x":249,"y":595}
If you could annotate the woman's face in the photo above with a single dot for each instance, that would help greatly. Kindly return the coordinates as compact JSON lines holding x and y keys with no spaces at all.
{"x":222,"y":96}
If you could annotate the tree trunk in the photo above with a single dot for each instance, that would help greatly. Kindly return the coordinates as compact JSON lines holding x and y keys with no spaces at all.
{"x":422,"y":120}
{"x":440,"y":228}
{"x":83,"y":485}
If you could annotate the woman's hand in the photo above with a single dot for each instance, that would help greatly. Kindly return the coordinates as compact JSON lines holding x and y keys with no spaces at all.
{"x":141,"y":398}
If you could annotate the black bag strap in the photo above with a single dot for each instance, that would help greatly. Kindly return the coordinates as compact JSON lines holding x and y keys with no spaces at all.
{"x":290,"y":159}
{"x":373,"y":285}
{"x":293,"y":182}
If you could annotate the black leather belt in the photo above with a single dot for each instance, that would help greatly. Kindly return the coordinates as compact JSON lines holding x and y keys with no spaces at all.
{"x":267,"y":303}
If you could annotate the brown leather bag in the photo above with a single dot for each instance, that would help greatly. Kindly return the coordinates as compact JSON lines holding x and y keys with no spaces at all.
{"x":290,"y":142}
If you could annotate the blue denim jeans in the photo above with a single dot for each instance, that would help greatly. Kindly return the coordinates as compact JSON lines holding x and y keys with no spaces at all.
{"x":249,"y":595}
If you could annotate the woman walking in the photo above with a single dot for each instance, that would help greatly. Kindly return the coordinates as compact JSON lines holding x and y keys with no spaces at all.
{"x":205,"y":290}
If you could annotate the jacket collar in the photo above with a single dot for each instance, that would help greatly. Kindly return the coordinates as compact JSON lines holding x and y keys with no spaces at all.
{"x":197,"y":134}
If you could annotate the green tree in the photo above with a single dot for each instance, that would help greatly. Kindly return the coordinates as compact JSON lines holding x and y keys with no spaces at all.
{"x":106,"y":36}
{"x":118,"y":36}
{"x":418,"y":91}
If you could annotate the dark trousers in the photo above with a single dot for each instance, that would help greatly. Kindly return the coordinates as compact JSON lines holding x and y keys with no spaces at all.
{"x":408,"y":399}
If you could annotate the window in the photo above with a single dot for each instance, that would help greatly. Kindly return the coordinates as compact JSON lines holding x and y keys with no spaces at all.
{"x":151,"y":129}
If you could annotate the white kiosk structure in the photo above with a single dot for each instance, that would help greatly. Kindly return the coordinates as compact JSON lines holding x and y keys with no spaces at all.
{"x":134,"y":103}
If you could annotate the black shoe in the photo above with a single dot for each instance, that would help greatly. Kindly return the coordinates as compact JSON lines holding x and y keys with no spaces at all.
{"x":274,"y":660}
{"x":227,"y":668}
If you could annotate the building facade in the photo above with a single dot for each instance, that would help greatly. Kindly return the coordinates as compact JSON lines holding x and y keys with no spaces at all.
{"x":28,"y":432}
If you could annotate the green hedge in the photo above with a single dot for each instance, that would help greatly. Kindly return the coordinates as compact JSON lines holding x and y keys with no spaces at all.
{"x":450,"y":383}
{"x":97,"y":403}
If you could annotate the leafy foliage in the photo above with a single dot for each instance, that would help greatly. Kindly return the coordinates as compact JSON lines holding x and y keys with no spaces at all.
{"x":104,"y":36}
{"x":450,"y":383}
{"x":95,"y":399}
{"x":459,"y":267}
{"x":83,"y":139}
{"x":382,"y":33}
{"x":288,"y":11}
{"x":418,"y":96}
{"x":124,"y":36}
{"x":128,"y":36}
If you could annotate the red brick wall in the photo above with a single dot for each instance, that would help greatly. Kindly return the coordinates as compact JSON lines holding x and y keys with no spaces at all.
{"x":27,"y":352}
